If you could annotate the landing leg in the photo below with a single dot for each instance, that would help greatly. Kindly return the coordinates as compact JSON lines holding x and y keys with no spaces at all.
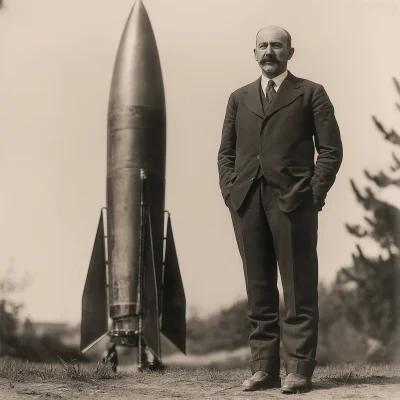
{"x":153,"y":362}
{"x":110,"y":356}
{"x":149,"y":362}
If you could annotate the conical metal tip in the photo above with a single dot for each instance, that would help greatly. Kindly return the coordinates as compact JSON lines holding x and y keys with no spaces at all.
{"x":137,"y":4}
{"x":137,"y":78}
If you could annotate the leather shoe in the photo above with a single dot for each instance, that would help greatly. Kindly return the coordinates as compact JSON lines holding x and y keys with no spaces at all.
{"x":296,"y":383}
{"x":261,"y":380}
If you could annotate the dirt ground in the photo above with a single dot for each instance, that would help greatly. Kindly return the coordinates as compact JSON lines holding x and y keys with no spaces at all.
{"x":189,"y":384}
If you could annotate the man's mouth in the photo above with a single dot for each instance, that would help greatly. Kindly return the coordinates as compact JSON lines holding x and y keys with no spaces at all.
{"x":269,"y":62}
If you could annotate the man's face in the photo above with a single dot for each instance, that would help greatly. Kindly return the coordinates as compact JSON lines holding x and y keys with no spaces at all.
{"x":272,"y":51}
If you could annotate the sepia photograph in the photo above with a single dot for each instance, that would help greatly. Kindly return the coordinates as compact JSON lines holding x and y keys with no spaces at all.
{"x":200,"y":199}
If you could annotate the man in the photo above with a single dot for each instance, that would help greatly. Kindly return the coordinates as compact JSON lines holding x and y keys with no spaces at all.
{"x":274,"y":191}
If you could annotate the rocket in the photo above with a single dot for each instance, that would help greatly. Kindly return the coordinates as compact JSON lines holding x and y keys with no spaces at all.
{"x":134,"y":291}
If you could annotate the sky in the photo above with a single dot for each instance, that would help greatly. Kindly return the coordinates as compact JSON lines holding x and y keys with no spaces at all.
{"x":56,"y":62}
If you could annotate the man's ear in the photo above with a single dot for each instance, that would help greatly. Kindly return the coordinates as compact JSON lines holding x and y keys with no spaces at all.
{"x":255,"y":54}
{"x":291,"y":52}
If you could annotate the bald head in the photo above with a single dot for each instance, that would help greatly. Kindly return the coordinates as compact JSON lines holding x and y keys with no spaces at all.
{"x":276,"y":30}
{"x":273,"y":50}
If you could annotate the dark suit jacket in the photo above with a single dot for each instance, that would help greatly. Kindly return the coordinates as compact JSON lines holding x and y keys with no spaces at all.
{"x":280,"y":142}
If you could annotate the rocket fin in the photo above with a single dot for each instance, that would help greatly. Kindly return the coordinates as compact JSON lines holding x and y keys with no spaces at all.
{"x":173,"y":324}
{"x":151,"y":322}
{"x":94,"y":322}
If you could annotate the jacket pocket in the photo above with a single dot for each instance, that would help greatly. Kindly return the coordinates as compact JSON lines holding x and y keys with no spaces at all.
{"x":300,"y":171}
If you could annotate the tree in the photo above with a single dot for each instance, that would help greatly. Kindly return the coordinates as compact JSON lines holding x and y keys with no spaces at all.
{"x":227,"y":329}
{"x":370,"y":288}
{"x":9,"y":310}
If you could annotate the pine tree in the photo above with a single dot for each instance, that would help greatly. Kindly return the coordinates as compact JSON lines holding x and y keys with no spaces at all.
{"x":370,"y":288}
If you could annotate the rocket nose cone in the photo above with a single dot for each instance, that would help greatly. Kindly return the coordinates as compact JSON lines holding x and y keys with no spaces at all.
{"x":137,"y":77}
{"x":137,"y":8}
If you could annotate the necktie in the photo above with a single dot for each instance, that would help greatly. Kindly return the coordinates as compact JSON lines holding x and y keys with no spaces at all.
{"x":270,"y":91}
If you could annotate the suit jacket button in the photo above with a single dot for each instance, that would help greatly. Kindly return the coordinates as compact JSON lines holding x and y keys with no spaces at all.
{"x":251,"y":179}
{"x":258,"y":157}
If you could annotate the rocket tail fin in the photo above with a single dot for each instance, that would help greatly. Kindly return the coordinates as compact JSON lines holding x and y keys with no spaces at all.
{"x":151,"y":324}
{"x":94,"y":322}
{"x":173,"y":296}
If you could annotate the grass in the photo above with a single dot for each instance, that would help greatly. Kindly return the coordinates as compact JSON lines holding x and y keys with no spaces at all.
{"x":68,"y":379}
{"x":22,"y":371}
{"x":353,"y":374}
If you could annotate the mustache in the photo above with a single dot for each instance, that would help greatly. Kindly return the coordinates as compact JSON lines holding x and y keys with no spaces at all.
{"x":269,"y":59}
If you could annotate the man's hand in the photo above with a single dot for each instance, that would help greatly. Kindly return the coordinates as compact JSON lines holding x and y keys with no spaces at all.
{"x":317,"y":201}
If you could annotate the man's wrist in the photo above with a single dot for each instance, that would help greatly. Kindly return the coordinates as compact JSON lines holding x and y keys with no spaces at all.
{"x":316,"y":199}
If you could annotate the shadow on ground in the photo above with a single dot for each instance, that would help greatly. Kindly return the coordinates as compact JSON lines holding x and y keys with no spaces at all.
{"x":355,"y":381}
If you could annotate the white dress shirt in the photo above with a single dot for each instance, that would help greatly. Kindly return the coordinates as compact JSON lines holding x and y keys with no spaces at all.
{"x":278,"y":81}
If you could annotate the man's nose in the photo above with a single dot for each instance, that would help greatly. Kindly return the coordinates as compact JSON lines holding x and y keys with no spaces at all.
{"x":268,"y":50}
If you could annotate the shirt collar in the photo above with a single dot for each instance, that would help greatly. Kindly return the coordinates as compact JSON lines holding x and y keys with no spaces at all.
{"x":278,"y":80}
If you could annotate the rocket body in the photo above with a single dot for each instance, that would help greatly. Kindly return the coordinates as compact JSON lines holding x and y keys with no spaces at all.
{"x":144,"y":283}
{"x":136,"y":139}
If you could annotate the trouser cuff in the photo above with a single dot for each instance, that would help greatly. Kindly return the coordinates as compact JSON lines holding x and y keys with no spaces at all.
{"x":305,"y":368}
{"x":270,"y":366}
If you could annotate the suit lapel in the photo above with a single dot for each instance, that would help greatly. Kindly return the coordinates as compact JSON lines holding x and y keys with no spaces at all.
{"x":290,"y":89}
{"x":252,"y":99}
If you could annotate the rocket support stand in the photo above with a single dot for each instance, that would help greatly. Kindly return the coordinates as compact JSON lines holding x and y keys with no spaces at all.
{"x":143,"y":271}
{"x":141,"y":265}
